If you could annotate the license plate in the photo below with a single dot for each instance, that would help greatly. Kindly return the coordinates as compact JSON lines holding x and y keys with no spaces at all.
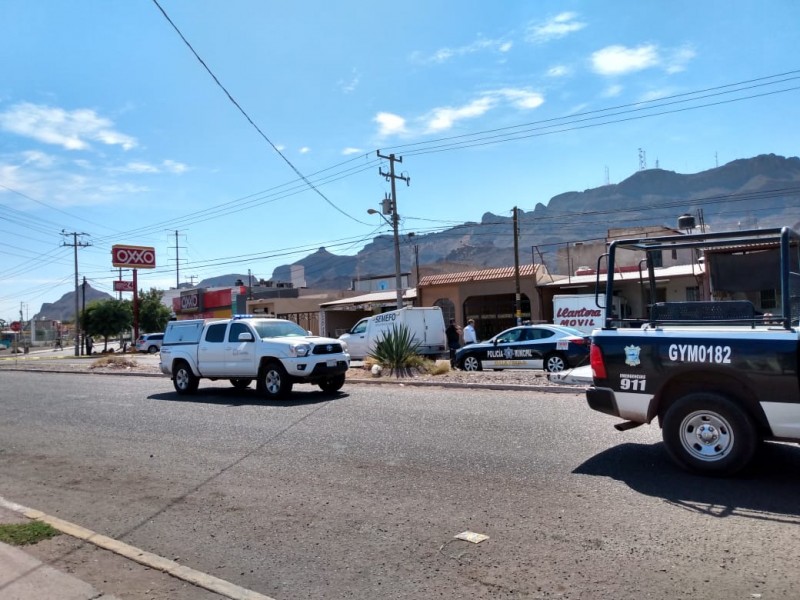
{"x":332,"y":363}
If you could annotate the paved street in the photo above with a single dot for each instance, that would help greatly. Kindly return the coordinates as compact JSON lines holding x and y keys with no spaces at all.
{"x":360,"y":495}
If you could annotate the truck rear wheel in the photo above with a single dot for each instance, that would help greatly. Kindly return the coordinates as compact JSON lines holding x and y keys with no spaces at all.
{"x":710,"y":434}
{"x":553,"y":363}
{"x":274,"y":381}
{"x":183,"y":379}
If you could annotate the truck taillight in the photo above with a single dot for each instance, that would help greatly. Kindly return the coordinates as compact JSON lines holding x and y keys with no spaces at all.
{"x":596,"y":360}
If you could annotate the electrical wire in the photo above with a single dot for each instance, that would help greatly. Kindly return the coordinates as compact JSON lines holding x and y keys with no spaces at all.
{"x":250,"y":120}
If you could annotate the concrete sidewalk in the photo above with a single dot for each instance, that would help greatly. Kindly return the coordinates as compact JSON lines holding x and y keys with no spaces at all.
{"x":24,"y":577}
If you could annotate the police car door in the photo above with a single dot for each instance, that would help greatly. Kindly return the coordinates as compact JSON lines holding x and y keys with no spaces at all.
{"x":510,"y":351}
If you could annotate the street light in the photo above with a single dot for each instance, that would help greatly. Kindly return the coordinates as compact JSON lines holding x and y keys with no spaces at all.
{"x":393,"y":223}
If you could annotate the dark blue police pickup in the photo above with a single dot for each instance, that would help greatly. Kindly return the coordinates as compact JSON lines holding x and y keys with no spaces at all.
{"x":720,"y":375}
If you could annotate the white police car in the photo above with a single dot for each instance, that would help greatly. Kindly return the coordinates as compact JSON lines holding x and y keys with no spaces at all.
{"x":550,"y":347}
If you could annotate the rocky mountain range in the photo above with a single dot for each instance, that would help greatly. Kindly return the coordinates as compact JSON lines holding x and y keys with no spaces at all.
{"x":64,"y":308}
{"x":763,"y":191}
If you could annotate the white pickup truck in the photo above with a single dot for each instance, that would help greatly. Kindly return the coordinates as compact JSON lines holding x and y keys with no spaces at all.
{"x":275,"y":352}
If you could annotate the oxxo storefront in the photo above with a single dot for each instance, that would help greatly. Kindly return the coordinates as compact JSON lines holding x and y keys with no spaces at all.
{"x":205,"y":303}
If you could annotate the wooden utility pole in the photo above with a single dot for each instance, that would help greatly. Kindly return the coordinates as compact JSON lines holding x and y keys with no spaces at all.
{"x":391,"y":177}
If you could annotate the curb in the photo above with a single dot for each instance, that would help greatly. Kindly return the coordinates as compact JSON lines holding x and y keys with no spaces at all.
{"x":148,"y":559}
{"x":510,"y":387}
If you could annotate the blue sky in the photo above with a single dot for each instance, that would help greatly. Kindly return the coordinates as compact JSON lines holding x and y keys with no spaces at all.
{"x":110,"y":126}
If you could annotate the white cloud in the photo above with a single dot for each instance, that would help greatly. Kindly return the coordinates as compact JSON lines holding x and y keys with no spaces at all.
{"x":140,"y":167}
{"x":679,"y":58}
{"x":166,"y":166}
{"x":612,"y":91}
{"x":349,"y":86}
{"x":559,"y":71}
{"x":444,"y":118}
{"x":558,"y":27}
{"x":442,"y":55}
{"x":72,"y":130}
{"x":619,"y":60}
{"x":175,"y":167}
{"x":37,"y":158}
{"x":390,"y":124}
{"x":305,"y":150}
{"x":656,"y":95}
{"x":441,"y":119}
{"x":60,"y":186}
{"x":350,"y":151}
{"x":522,"y":99}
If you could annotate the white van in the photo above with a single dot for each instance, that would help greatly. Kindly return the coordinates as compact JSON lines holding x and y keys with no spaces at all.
{"x":426,"y":325}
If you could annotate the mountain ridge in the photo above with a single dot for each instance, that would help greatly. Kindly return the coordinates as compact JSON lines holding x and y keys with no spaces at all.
{"x":760,"y":191}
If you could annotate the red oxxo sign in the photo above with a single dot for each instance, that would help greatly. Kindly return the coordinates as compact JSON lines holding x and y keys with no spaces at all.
{"x":133,"y":257}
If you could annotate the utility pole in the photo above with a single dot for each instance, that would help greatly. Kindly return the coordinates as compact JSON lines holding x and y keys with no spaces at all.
{"x":177,"y":262}
{"x":518,"y":297}
{"x":76,"y":244}
{"x":391,"y":177}
{"x":83,"y":312}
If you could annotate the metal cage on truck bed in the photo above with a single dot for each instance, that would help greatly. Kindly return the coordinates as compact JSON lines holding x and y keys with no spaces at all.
{"x":721,"y":312}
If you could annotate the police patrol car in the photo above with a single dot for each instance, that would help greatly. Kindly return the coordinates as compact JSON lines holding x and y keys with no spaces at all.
{"x":551,"y":347}
{"x":720,"y":376}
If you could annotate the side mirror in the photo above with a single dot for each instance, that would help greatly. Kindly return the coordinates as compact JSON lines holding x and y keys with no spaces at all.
{"x":245,"y":336}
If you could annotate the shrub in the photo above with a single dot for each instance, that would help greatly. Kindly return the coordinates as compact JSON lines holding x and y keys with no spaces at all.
{"x":397,"y":350}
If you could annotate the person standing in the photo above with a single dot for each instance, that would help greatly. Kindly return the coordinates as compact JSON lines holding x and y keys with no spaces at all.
{"x":453,"y":333}
{"x":470,"y":336}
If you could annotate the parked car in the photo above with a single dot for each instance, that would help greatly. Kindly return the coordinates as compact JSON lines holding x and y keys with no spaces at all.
{"x":149,"y":342}
{"x":550,"y":347}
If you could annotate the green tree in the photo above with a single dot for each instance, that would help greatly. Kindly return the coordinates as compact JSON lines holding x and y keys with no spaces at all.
{"x":153,"y":315}
{"x":107,"y":318}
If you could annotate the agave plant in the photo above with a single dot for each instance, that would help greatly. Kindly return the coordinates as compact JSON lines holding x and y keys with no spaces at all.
{"x":397,"y":350}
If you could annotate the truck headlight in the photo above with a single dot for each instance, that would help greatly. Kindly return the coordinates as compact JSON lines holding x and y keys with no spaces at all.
{"x":344,"y":345}
{"x":301,"y":350}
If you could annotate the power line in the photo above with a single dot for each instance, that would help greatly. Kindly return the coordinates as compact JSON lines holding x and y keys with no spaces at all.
{"x":249,"y":120}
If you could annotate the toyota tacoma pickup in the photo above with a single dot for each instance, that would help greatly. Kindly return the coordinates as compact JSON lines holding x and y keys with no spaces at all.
{"x":720,"y":375}
{"x":276,"y":353}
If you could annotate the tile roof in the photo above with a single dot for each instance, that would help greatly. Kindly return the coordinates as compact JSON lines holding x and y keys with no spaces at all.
{"x":483,"y":275}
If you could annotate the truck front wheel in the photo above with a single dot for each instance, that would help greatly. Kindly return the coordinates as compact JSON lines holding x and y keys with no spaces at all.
{"x":183,"y":379}
{"x":274,"y":381}
{"x":709,"y":434}
{"x":471,"y":363}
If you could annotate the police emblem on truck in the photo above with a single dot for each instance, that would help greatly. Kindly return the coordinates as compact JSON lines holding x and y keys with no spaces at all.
{"x":632,"y":355}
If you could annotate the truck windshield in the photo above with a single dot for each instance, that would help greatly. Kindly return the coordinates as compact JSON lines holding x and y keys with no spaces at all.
{"x":272,"y":329}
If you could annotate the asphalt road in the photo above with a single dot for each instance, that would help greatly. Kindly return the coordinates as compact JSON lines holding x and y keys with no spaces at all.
{"x":360,"y":494}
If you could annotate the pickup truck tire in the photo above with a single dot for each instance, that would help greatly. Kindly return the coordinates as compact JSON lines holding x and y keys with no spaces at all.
{"x":471,"y":363}
{"x":241,"y":384}
{"x":332,"y":384}
{"x":709,"y":434}
{"x":183,"y":379}
{"x":273,"y":381}
{"x":554,"y":362}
